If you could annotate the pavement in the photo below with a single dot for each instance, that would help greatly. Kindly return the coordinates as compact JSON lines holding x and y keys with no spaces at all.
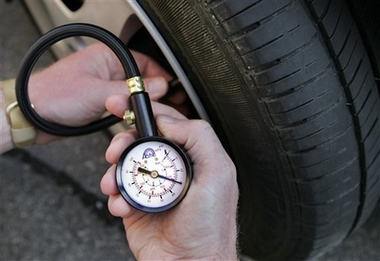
{"x":51,"y":204}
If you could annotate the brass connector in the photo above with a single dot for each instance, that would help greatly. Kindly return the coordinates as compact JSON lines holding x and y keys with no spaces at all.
{"x":129,"y":117}
{"x":135,"y":84}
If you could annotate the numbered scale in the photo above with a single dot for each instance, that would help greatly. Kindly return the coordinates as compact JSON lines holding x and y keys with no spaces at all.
{"x":153,"y":173}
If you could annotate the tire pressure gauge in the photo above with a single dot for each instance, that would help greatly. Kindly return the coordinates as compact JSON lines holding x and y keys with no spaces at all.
{"x":153,"y":173}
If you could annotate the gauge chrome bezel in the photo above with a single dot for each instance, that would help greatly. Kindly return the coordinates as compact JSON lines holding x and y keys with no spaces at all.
{"x":123,"y":187}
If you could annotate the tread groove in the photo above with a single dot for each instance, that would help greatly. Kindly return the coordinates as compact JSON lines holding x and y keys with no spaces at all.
{"x":370,"y":131}
{"x":323,"y":15}
{"x":254,"y":26}
{"x":358,"y":111}
{"x":322,"y":144}
{"x":352,"y":53}
{"x":337,"y":23}
{"x":347,"y":192}
{"x":264,"y":45}
{"x":316,"y":115}
{"x":298,"y":87}
{"x":362,"y":84}
{"x":243,"y":10}
{"x":293,"y":109}
{"x":374,"y":161}
{"x":339,"y":53}
{"x":284,"y":77}
{"x":262,"y":68}
{"x":342,"y":167}
{"x":373,"y":145}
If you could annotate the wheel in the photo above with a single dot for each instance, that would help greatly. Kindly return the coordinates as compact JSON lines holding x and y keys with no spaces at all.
{"x":290,"y":88}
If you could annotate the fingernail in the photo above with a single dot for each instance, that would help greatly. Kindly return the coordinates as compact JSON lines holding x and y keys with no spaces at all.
{"x":166,"y":118}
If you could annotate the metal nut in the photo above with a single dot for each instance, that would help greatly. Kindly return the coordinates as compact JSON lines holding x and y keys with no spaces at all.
{"x":129,"y":117}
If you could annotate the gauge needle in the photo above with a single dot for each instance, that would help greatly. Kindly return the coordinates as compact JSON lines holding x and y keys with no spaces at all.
{"x":154,"y":174}
{"x":145,"y":171}
{"x":173,"y":180}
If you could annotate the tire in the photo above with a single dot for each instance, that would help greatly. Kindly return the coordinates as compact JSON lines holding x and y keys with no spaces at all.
{"x":290,"y":88}
{"x":291,"y":91}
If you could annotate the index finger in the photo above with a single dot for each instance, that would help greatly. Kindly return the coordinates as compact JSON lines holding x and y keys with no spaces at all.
{"x":118,"y":104}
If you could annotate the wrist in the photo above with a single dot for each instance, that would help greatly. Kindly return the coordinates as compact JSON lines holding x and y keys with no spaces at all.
{"x":22,"y":132}
{"x":217,"y":250}
{"x":219,"y":256}
{"x":5,"y":127}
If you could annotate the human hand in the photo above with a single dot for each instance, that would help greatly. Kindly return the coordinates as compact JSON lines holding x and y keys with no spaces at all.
{"x":73,"y":91}
{"x":203,"y":225}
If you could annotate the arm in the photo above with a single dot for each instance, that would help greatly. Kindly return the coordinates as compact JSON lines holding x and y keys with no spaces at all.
{"x":73,"y":91}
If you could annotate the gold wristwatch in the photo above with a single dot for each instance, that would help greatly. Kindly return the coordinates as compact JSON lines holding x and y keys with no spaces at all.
{"x":22,"y":131}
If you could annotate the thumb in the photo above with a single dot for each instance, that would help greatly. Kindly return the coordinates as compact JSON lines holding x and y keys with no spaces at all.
{"x":207,"y":154}
{"x":196,"y":136}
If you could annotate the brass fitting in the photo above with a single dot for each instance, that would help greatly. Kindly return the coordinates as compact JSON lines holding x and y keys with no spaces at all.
{"x":129,"y":117}
{"x":135,"y":85}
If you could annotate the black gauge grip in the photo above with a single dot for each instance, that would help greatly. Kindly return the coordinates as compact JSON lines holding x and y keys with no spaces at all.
{"x":144,"y":119}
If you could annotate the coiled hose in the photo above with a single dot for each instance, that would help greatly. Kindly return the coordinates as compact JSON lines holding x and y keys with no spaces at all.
{"x":43,"y":44}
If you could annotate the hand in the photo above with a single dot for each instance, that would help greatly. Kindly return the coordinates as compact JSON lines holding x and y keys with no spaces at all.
{"x":73,"y":91}
{"x":203,"y":225}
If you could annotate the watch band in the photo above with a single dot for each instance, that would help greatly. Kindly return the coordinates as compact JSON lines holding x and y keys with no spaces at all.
{"x":22,"y":131}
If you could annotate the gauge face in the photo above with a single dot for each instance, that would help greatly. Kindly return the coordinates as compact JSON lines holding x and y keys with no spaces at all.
{"x":153,"y":174}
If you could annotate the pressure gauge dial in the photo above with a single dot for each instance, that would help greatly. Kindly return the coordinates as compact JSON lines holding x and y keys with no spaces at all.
{"x":153,"y":174}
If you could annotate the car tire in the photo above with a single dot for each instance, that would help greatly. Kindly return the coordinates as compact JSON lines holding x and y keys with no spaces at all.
{"x":290,"y":88}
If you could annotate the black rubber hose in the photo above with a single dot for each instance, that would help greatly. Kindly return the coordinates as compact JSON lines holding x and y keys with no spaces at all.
{"x":142,"y":109}
{"x":43,"y":44}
